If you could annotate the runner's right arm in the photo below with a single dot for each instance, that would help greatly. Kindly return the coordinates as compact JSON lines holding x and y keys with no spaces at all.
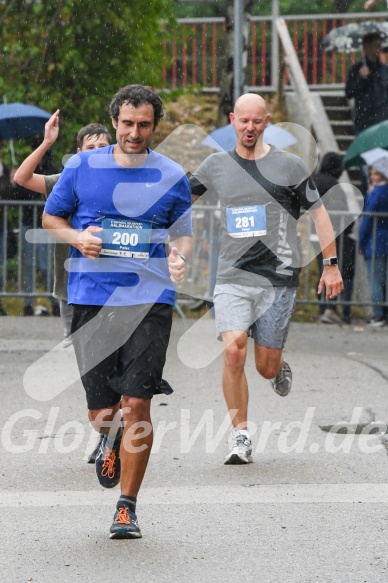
{"x":85,"y":241}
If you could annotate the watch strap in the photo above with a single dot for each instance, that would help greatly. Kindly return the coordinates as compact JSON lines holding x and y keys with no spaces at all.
{"x":330,"y":261}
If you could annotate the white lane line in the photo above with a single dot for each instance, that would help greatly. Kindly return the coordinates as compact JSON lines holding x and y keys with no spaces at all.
{"x":256,"y":494}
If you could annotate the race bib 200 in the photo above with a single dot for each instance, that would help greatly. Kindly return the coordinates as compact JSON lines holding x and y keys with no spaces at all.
{"x":125,"y":238}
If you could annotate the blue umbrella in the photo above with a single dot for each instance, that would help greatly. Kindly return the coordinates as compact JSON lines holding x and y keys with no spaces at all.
{"x":19,"y":120}
{"x":225,"y":138}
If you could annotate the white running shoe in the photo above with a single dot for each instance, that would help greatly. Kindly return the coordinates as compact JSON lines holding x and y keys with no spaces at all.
{"x":375,"y":323}
{"x":67,"y":341}
{"x":241,"y":452}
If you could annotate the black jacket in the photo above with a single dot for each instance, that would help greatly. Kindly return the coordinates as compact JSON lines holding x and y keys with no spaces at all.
{"x":370,"y":94}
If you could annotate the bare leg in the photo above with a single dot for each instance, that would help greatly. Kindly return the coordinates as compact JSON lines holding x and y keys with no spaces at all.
{"x":270,"y":364}
{"x":136,"y":443}
{"x":105,"y":420}
{"x":108,"y":423}
{"x":268,"y":361}
{"x":234,"y":381}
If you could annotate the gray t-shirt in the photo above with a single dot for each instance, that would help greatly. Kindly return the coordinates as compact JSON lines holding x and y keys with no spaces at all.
{"x":50,"y":182}
{"x":61,"y":252}
{"x":260,"y":203}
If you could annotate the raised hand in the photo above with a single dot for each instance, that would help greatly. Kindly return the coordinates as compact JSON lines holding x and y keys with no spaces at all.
{"x":51,"y":129}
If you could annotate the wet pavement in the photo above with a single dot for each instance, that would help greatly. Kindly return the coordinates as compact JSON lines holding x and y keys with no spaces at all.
{"x":312,"y":507}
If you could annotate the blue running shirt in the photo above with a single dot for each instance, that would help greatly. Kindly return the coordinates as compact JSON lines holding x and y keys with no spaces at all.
{"x":138,"y":208}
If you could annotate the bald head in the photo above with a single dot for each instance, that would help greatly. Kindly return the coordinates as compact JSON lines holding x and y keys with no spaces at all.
{"x":250,"y":101}
{"x":250,"y":118}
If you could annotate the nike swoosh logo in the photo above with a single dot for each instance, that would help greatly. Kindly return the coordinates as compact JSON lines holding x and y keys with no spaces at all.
{"x":311,"y":195}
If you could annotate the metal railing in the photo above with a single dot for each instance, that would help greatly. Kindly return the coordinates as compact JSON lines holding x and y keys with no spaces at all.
{"x":193,"y":57}
{"x":203,"y":261}
{"x":26,"y":269}
{"x":201,"y":265}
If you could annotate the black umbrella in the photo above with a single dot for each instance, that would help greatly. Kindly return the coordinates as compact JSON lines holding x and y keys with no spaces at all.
{"x":348,"y":38}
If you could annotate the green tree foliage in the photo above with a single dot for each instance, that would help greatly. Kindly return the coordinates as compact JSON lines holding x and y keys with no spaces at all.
{"x":75,"y":54}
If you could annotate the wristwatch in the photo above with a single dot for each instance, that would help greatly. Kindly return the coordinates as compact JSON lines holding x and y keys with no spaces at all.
{"x":330,"y":261}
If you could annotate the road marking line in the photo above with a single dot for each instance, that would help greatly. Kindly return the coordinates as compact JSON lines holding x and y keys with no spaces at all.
{"x":243,"y":494}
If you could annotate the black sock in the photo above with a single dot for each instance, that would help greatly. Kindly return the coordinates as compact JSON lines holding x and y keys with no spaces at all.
{"x":127,"y":501}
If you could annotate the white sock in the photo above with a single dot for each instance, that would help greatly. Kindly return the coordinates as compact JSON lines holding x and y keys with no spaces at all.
{"x":244,"y":432}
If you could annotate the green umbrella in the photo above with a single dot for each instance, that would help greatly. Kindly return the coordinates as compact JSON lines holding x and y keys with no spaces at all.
{"x":373,"y":137}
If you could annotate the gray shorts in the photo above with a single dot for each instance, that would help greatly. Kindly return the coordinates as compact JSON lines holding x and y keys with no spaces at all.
{"x":264,"y":313}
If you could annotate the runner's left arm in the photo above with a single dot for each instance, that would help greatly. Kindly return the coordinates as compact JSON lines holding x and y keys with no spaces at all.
{"x":180,"y":249}
{"x":180,"y":232}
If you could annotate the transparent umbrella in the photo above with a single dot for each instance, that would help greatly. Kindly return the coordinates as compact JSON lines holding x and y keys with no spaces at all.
{"x":348,"y":38}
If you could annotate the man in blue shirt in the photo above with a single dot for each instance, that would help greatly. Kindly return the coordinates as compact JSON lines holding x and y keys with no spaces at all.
{"x":125,"y":201}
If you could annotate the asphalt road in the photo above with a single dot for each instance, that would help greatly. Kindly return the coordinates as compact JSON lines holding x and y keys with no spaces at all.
{"x":312,"y":507}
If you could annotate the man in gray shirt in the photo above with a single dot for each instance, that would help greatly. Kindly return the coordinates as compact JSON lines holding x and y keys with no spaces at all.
{"x":261,"y":190}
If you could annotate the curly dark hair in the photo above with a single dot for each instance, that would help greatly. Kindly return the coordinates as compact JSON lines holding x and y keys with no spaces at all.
{"x":136,"y":95}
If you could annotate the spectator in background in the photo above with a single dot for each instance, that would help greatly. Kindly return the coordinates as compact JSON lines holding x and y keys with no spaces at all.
{"x":384,"y":55}
{"x":374,"y":241}
{"x":367,"y":84}
{"x":327,"y":178}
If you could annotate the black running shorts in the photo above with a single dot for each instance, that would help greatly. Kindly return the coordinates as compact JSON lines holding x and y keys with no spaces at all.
{"x":121,"y":350}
